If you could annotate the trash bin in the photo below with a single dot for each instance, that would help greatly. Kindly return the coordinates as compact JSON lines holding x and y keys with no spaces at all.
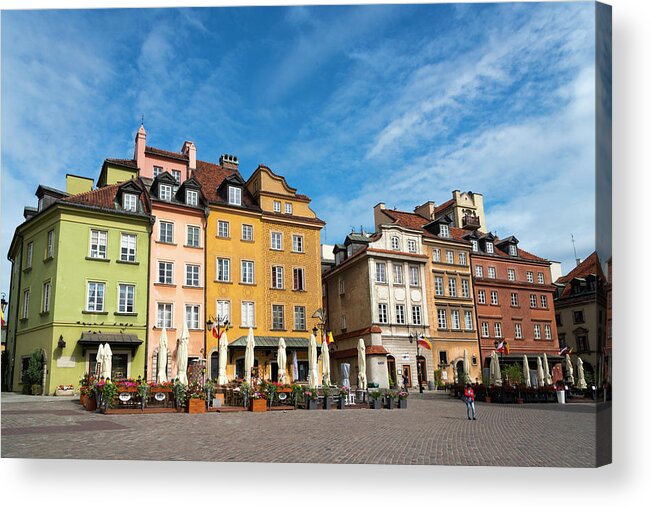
{"x":430,"y":385}
{"x":560,"y":395}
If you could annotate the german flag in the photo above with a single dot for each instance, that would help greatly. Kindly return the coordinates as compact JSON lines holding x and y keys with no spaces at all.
{"x":425,"y":343}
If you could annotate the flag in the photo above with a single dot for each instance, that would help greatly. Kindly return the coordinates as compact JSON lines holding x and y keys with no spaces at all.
{"x":2,"y":314}
{"x":565,"y":350}
{"x":503,"y":347}
{"x":330,"y":338}
{"x":214,"y":333}
{"x":424,"y":342}
{"x":506,"y":348}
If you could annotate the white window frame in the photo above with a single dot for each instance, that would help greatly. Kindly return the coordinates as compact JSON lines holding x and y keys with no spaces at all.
{"x":517,"y":331}
{"x":449,"y":257}
{"x":481,"y":297}
{"x":276,"y":240}
{"x":414,"y":276}
{"x":247,"y":272}
{"x":129,"y":202}
{"x":277,"y":206}
{"x":398,"y":278}
{"x":123,"y":302}
{"x":163,"y":229}
{"x":495,"y":300}
{"x":277,"y":277}
{"x":498,"y":329}
{"x":128,"y":247}
{"x":465,"y":288}
{"x":510,"y":272}
{"x":395,"y":243}
{"x":491,"y":272}
{"x":191,"y":197}
{"x":162,"y":315}
{"x":530,"y":276}
{"x":452,"y":287}
{"x":222,"y":269}
{"x":342,"y":287}
{"x":25,"y":313}
{"x":513,"y":250}
{"x":543,"y":301}
{"x":157,"y":171}
{"x":475,"y":245}
{"x":247,"y":232}
{"x":485,"y":330}
{"x":416,"y":315}
{"x":439,"y":289}
{"x":50,"y":244}
{"x":444,"y":231}
{"x":289,"y":208}
{"x":47,"y":292}
{"x":463,"y":258}
{"x":98,"y":303}
{"x":380,"y":272}
{"x":223,"y":309}
{"x":188,"y":235}
{"x":383,"y":313}
{"x":165,"y":192}
{"x":98,"y":244}
{"x":300,"y":318}
{"x":176,"y":174}
{"x":467,"y":318}
{"x":193,"y":275}
{"x":234,"y":195}
{"x":30,"y":254}
{"x":247,"y":309}
{"x":541,"y":278}
{"x":297,"y":243}
{"x":536,"y":332}
{"x":456,"y":319}
{"x":489,"y":247}
{"x":514,"y":299}
{"x":436,"y":255}
{"x":301,"y":279}
{"x":442,"y":319}
{"x":412,"y":247}
{"x":548,"y":332}
{"x":168,"y":268}
{"x":277,"y":317}
{"x":223,"y":229}
{"x":192,"y":312}
{"x":533,"y":301}
{"x":400,"y":314}
{"x":479,"y":271}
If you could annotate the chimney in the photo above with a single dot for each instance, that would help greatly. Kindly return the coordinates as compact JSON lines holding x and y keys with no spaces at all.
{"x":139,"y":152}
{"x":378,"y":216}
{"x":426,"y":210}
{"x":229,"y":161}
{"x":190,"y":150}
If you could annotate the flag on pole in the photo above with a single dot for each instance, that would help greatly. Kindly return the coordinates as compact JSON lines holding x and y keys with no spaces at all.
{"x":214,"y":333}
{"x":330,"y":338}
{"x":506,"y":348}
{"x":2,"y":314}
{"x":565,"y":350}
{"x":424,"y":342}
{"x":503,"y":347}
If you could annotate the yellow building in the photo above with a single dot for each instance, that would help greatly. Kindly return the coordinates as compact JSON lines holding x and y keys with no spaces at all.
{"x":262,"y":266}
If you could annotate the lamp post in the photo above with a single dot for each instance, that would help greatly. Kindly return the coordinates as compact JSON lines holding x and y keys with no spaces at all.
{"x":4,"y":303}
{"x":497,"y":344}
{"x":221,"y":324}
{"x":415,"y":337}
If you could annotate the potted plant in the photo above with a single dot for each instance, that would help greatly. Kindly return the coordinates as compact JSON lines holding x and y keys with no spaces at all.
{"x":258,"y":401}
{"x":376,"y":399}
{"x":179,"y":394}
{"x":402,"y":399}
{"x":196,"y":398}
{"x":310,"y":396}
{"x":327,"y":401}
{"x":344,"y":391}
{"x":296,"y":394}
{"x":143,"y":393}
{"x":270,"y":390}
{"x":390,"y":396}
{"x":109,"y":393}
{"x":85,"y":388}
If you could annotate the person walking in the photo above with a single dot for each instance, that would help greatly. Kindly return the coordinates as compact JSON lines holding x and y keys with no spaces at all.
{"x":405,"y":380}
{"x":469,"y":396}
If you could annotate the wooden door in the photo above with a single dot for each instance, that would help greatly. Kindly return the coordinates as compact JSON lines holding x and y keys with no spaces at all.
{"x":406,"y":368}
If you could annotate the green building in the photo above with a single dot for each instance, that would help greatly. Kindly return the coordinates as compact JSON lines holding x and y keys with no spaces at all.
{"x":79,"y":277}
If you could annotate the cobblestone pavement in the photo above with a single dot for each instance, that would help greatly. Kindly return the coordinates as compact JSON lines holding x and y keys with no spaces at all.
{"x":429,"y":431}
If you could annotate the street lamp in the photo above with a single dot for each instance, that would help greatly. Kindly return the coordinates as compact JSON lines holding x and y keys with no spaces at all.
{"x":221,"y":323}
{"x":4,"y":302}
{"x":321,"y":324}
{"x":414,"y":337}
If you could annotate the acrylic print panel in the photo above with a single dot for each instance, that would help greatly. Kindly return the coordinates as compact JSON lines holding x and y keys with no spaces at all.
{"x":351,"y":234}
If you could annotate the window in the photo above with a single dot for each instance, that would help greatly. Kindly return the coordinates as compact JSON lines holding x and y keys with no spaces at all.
{"x":514,"y":299}
{"x":30,"y":253}
{"x":436,"y":255}
{"x":383,"y":313}
{"x":223,"y":270}
{"x":50,"y":244}
{"x":541,"y":278}
{"x":194,"y":235}
{"x":191,"y":197}
{"x":165,"y":192}
{"x":444,"y":232}
{"x":481,"y":297}
{"x":165,"y":272}
{"x":491,"y":272}
{"x":548,"y":332}
{"x":558,"y":320}
{"x":224,"y":310}
{"x":297,"y":243}
{"x":277,"y":206}
{"x":498,"y":330}
{"x":456,"y":321}
{"x":130,"y":202}
{"x":176,"y":174}
{"x":443,"y":357}
{"x":299,"y":279}
{"x":442,"y":318}
{"x":344,"y":324}
{"x":582,"y":343}
{"x":518,"y":331}
{"x":414,"y":276}
{"x":536,"y":331}
{"x":25,"y":304}
{"x":166,"y":233}
{"x":299,"y":318}
{"x":157,"y":171}
{"x":465,"y":288}
{"x":467,"y":320}
{"x":247,"y":232}
{"x":511,"y":274}
{"x":532,"y":300}
{"x":276,"y":241}
{"x":438,"y":285}
{"x":380,"y":272}
{"x":543,"y":301}
{"x":126,"y":297}
{"x":45,"y":307}
{"x":342,"y":287}
{"x":416,"y":318}
{"x":95,"y":297}
{"x":277,"y":273}
{"x":400,"y":314}
{"x":411,"y":246}
{"x":513,"y":250}
{"x":128,"y":247}
{"x":529,"y":277}
{"x":397,"y":274}
{"x":578,"y":316}
{"x":246,"y":274}
{"x":192,"y":275}
{"x":475,"y":245}
{"x":223,"y":229}
{"x":449,"y":256}
{"x":395,"y":243}
{"x":277,"y":317}
{"x":192,"y":317}
{"x":235,"y":196}
{"x":561,"y":340}
{"x":164,"y":315}
{"x":462,"y":258}
{"x":489,"y":247}
{"x":248,"y":314}
{"x":97,"y":245}
{"x":479,"y":271}
{"x":452,"y":287}
{"x":288,"y":208}
{"x":494,"y":300}
{"x":484,"y":330}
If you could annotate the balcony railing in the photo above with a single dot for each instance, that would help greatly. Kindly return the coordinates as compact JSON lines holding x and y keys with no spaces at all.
{"x":471,"y":222}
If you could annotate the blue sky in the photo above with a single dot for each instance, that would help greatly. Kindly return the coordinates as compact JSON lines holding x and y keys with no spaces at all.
{"x":353,"y":105}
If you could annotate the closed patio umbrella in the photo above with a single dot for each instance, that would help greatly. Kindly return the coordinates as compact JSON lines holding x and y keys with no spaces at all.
{"x":325,"y":362}
{"x":570,"y":370}
{"x":162,"y":358}
{"x":98,"y":358}
{"x":282,"y":361}
{"x":525,"y":371}
{"x":581,"y":384}
{"x":540,"y":373}
{"x":294,"y":366}
{"x":466,"y":365}
{"x":496,"y":373}
{"x":106,"y":361}
{"x":345,"y":374}
{"x":548,"y":377}
{"x":182,"y":355}
{"x":223,"y":352}
{"x":361,"y":363}
{"x":311,"y":358}
{"x":249,"y":355}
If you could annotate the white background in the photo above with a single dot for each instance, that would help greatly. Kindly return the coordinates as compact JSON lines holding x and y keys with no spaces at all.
{"x":68,"y":482}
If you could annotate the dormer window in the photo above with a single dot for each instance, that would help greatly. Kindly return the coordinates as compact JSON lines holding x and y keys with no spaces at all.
{"x":165,"y":192}
{"x":395,"y":243}
{"x":489,"y":247}
{"x":130,"y":202}
{"x":513,"y":250}
{"x":444,"y":231}
{"x":191,"y":197}
{"x":475,"y":245}
{"x":235,"y":196}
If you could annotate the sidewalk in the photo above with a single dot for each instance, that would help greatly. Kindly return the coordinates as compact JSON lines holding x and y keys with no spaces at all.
{"x":9,"y":397}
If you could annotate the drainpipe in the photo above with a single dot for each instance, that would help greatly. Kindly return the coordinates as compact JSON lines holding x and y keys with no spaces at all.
{"x":152,"y":220}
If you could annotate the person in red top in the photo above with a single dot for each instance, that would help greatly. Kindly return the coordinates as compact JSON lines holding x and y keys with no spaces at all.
{"x":469,"y":395}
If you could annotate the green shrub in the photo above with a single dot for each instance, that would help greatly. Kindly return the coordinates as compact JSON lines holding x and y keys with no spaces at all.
{"x":34,"y":372}
{"x":513,"y":372}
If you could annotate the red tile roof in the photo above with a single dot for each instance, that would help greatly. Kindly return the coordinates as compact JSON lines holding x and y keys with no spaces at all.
{"x":211,"y":176}
{"x":589,"y":266}
{"x":102,"y":198}
{"x":441,"y":207}
{"x":164,"y":153}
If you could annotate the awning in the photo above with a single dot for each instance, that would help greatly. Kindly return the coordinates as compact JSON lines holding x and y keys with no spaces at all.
{"x":123,"y":339}
{"x":271,"y":342}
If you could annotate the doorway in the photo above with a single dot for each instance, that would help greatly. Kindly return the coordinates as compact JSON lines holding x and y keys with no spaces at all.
{"x":214,"y":365}
{"x":421,"y":365}
{"x":274,"y":371}
{"x":406,"y":370}
{"x":391,"y":369}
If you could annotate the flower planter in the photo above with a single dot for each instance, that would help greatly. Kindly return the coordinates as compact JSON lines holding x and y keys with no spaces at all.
{"x":519,"y":401}
{"x":376,"y":404}
{"x":341,"y":403}
{"x":196,"y":406}
{"x":259,"y":405}
{"x":390,"y":403}
{"x":402,"y":403}
{"x":327,"y":403}
{"x":90,"y":403}
{"x":82,"y":399}
{"x":160,"y":390}
{"x":310,"y":404}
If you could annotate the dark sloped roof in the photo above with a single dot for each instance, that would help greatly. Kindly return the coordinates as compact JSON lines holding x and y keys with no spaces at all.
{"x":210,"y":176}
{"x":112,"y":338}
{"x":127,"y":162}
{"x":589,"y":266}
{"x":164,"y":153}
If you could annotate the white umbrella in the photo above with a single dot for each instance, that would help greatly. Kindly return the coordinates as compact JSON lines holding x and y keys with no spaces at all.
{"x":570,"y":370}
{"x":525,"y":371}
{"x":98,"y":358}
{"x":294,"y":366}
{"x":311,"y":359}
{"x":325,"y":362}
{"x":579,"y":366}
{"x":282,"y":361}
{"x":223,"y":352}
{"x":466,"y":365}
{"x":361,"y":363}
{"x":345,"y":374}
{"x":182,"y":355}
{"x":548,"y":377}
{"x":162,"y":358}
{"x":540,"y":373}
{"x":106,"y":361}
{"x":495,"y":372}
{"x":249,"y":356}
